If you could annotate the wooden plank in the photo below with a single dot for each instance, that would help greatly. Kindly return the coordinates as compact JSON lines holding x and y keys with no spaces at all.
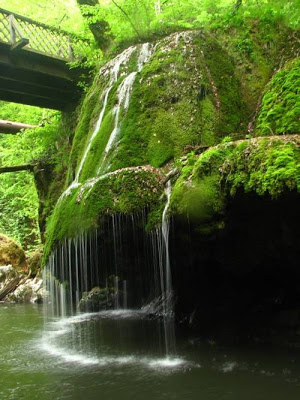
{"x":9,"y":287}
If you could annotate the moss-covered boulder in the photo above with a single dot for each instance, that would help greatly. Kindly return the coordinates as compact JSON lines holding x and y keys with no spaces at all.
{"x":265,"y":166}
{"x":186,"y":93}
{"x":152,"y":104}
{"x":11,"y":253}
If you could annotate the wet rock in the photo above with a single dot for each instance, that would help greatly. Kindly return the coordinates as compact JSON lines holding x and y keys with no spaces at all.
{"x":96,"y":299}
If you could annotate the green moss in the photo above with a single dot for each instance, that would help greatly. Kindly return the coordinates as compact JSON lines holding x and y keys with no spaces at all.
{"x":174,"y":104}
{"x":196,"y":89}
{"x":280,"y":109}
{"x":266,"y":166}
{"x":94,"y":157}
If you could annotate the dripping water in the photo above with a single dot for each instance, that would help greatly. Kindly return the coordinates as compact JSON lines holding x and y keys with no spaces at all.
{"x":166,"y":277}
{"x":130,"y":270}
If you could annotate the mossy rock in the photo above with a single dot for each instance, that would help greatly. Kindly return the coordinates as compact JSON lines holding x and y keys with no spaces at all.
{"x":35,"y":262}
{"x":186,"y":94}
{"x":265,"y":166}
{"x":127,"y":191}
{"x":97,"y":299}
{"x":11,"y":253}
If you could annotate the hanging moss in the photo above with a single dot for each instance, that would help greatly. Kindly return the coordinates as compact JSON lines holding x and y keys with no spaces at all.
{"x":266,"y":166}
{"x":127,"y":191}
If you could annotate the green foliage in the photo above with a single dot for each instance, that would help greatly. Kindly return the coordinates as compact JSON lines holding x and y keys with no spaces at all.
{"x":280,"y":107}
{"x":24,"y":114}
{"x":18,"y":196}
{"x":138,"y":20}
{"x":62,"y":14}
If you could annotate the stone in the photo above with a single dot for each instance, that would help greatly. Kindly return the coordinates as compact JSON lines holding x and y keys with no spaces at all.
{"x":11,"y":253}
{"x":96,"y":299}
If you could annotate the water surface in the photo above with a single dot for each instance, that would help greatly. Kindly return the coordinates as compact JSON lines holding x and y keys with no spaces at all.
{"x":119,"y":354}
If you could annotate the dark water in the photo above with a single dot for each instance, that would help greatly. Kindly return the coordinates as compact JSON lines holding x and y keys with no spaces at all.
{"x":119,"y":356}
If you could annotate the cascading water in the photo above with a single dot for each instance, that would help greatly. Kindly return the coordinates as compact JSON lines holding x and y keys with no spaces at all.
{"x":118,"y":271}
{"x":112,"y":69}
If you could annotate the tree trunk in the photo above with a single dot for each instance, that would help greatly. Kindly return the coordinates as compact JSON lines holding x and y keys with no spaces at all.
{"x":13,"y":127}
{"x":99,"y":29}
{"x":237,"y":5}
{"x":10,"y":287}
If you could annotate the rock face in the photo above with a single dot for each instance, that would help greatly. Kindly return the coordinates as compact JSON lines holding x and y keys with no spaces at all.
{"x":31,"y":291}
{"x":15,"y":282}
{"x":18,"y":288}
{"x":11,"y":253}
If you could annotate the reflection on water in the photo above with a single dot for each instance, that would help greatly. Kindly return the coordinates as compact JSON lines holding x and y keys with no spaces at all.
{"x":117,"y":354}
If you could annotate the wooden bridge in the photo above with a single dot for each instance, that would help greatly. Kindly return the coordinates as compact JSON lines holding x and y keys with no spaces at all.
{"x":34,"y":60}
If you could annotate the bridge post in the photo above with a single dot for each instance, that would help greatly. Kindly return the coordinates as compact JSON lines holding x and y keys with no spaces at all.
{"x":70,"y":50}
{"x":13,"y":35}
{"x":12,"y":29}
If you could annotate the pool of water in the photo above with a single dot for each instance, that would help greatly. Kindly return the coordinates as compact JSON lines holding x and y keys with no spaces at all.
{"x":119,"y":354}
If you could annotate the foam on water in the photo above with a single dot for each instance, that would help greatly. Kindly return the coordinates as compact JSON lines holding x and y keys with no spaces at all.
{"x":63,"y":327}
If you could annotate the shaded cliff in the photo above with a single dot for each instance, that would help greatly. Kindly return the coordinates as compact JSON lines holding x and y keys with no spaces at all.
{"x":221,"y":122}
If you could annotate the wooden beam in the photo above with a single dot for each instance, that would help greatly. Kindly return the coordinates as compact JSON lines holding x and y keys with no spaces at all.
{"x":32,"y":100}
{"x":17,"y":168}
{"x":13,"y":127}
{"x":24,"y":87}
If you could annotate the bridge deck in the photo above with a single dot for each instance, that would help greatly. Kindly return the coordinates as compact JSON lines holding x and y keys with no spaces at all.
{"x":33,"y":63}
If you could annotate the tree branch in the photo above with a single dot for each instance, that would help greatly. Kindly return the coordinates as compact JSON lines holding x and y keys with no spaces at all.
{"x":127,"y":16}
{"x":13,"y":127}
{"x":17,"y":168}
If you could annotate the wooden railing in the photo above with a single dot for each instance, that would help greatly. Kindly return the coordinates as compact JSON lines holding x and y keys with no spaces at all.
{"x":19,"y":31}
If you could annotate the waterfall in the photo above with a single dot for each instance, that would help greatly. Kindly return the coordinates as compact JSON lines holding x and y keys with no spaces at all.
{"x":112,"y":70}
{"x":123,"y":96}
{"x":119,"y":266}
